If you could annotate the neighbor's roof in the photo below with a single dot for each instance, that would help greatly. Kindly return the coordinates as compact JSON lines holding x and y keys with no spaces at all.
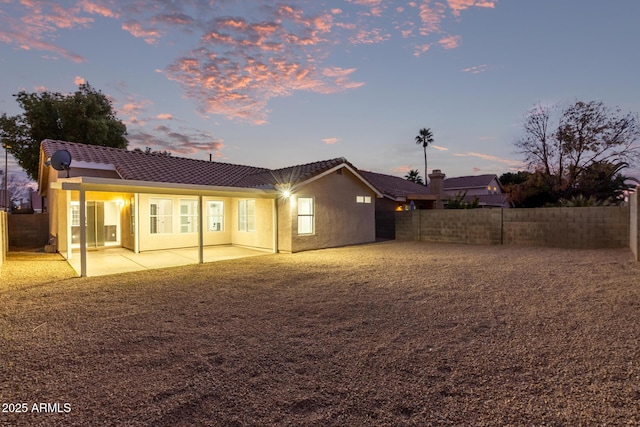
{"x":495,"y":200}
{"x":475,"y":181}
{"x":140,"y":166}
{"x":394,"y":186}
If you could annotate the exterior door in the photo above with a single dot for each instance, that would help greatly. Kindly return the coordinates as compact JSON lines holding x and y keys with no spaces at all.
{"x":102,"y":222}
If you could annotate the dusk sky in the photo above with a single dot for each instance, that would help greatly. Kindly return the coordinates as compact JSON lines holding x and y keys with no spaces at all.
{"x":275,"y":84}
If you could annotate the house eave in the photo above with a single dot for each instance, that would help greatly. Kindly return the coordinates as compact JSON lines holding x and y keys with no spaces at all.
{"x":133,"y":186}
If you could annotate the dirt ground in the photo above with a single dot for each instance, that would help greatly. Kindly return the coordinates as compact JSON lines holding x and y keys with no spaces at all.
{"x":387,"y":334}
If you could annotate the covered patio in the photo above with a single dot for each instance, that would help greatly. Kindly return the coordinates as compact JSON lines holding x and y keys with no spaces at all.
{"x":120,"y":260}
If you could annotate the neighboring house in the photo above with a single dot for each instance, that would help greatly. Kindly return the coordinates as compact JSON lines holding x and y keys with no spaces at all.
{"x":400,"y":194}
{"x":145,"y":201}
{"x":486,"y":188}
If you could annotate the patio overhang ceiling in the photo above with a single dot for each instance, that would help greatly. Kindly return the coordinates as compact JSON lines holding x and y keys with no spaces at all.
{"x":131,"y":186}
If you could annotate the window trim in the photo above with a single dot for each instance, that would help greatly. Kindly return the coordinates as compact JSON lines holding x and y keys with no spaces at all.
{"x":311,"y":215}
{"x":210,"y":216}
{"x":192,"y":216}
{"x":168,"y":218}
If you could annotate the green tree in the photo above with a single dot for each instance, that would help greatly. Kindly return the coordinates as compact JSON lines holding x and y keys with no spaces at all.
{"x":602,"y":182}
{"x":424,"y":138}
{"x":85,"y":116}
{"x":414,"y":176}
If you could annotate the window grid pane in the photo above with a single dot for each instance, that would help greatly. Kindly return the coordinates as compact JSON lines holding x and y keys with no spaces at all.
{"x":246,"y":215}
{"x":215,"y":218}
{"x":188,"y":216}
{"x":160,"y":216}
{"x":305,"y":215}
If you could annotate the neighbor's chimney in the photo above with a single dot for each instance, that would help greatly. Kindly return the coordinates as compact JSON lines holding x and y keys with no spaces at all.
{"x":436,"y":184}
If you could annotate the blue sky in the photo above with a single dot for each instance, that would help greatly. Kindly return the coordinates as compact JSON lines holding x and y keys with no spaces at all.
{"x":276,"y":84}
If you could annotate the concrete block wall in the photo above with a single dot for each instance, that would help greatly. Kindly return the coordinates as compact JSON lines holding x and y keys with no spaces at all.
{"x":580,"y":228}
{"x":408,"y":225}
{"x":481,"y":227}
{"x":28,"y":230}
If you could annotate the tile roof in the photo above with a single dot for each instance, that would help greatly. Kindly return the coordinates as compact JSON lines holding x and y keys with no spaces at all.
{"x":468,"y":181}
{"x":135,"y":165}
{"x":291,"y":174}
{"x":394,"y":186}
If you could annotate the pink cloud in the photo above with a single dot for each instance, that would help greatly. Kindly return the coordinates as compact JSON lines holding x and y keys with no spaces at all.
{"x":78,"y":80}
{"x":439,"y":148}
{"x":514,"y":163}
{"x":402,"y":169}
{"x":477,"y":69}
{"x":164,"y":116}
{"x":97,"y":9}
{"x":238,"y":62}
{"x":458,"y":6}
{"x":330,"y":141}
{"x":135,"y":28}
{"x":450,"y":42}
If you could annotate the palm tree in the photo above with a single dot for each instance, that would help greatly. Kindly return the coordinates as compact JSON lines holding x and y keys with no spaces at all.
{"x":414,"y":176}
{"x":424,"y":138}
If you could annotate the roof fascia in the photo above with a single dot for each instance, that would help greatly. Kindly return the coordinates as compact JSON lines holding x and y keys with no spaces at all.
{"x":132,"y":186}
{"x":379,"y":195}
{"x":94,"y":165}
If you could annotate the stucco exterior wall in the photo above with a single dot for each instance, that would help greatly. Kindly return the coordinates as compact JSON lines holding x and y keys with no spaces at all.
{"x":285,"y":224}
{"x":338,"y":219}
{"x":262,"y":237}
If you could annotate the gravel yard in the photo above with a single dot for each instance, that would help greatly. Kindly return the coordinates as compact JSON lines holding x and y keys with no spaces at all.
{"x":387,"y":334}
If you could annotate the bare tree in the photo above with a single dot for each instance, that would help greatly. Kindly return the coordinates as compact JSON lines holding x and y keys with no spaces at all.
{"x":563,"y":143}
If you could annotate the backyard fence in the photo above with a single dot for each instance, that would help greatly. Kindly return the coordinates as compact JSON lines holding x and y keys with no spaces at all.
{"x":579,"y":228}
{"x":4,"y":238}
{"x":28,"y":230}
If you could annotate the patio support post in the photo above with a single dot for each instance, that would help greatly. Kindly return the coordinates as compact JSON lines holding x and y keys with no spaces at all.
{"x":136,"y":220}
{"x":83,"y":234}
{"x":200,"y":231}
{"x":69,"y":234}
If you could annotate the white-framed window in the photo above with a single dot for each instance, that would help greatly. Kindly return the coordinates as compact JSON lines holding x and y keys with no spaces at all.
{"x":188,"y":216}
{"x":246,"y":215}
{"x":160,"y":216}
{"x":363,"y":199}
{"x":215,"y":215}
{"x":75,"y":214}
{"x":305,"y":215}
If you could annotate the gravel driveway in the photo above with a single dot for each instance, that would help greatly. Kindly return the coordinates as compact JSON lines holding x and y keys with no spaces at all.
{"x":389,"y":334}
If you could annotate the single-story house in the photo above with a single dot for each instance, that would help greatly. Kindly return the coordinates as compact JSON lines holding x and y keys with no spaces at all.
{"x":486,"y":188}
{"x":148,"y":201}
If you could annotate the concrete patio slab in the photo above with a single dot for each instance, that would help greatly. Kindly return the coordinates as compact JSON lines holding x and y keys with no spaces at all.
{"x":120,"y":260}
